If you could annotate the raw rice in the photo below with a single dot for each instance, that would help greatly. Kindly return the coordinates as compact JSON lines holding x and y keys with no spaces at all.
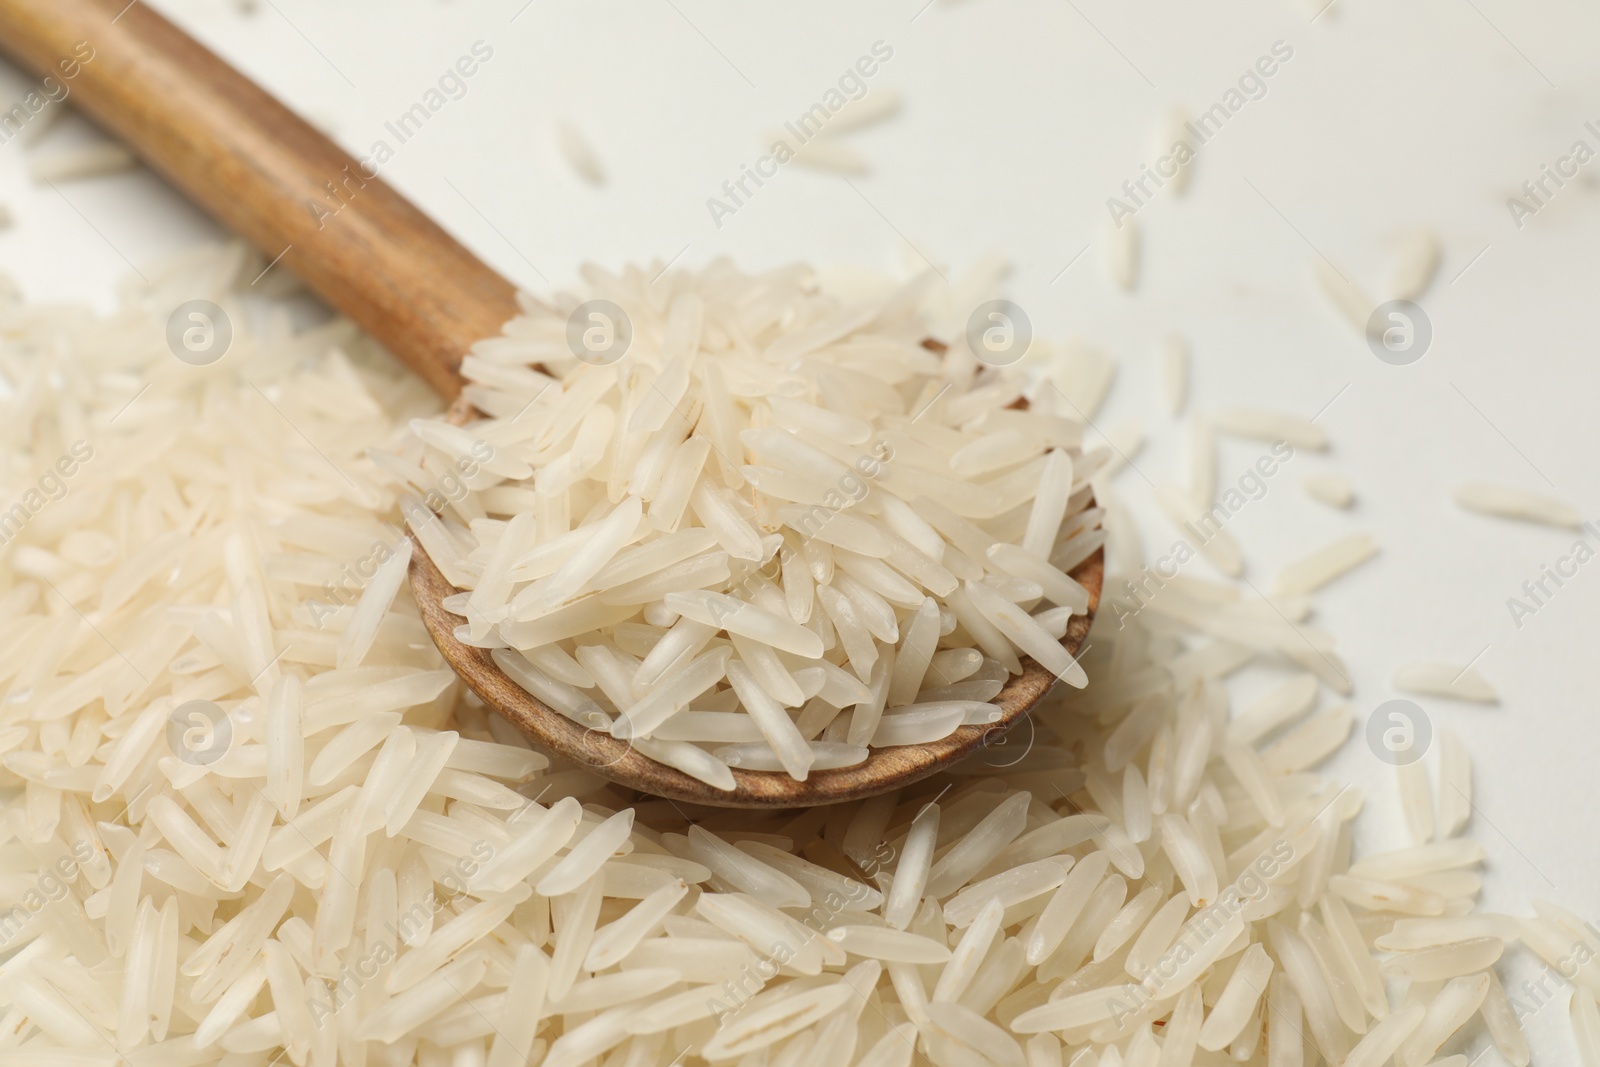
{"x":579,"y":154}
{"x":1416,"y":261}
{"x":79,"y":162}
{"x":1334,"y":490}
{"x":1122,"y":251}
{"x":1175,"y":373}
{"x":1316,"y":570}
{"x":1271,"y":426}
{"x":1508,"y":503}
{"x":1352,"y":303}
{"x":1445,"y":680}
{"x":805,"y":507}
{"x":378,"y":870}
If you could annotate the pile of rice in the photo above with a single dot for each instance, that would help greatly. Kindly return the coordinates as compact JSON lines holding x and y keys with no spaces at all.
{"x":772,"y":499}
{"x":244,"y":821}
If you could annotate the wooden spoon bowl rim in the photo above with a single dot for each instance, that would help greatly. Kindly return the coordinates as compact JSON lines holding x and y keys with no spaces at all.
{"x":614,"y":758}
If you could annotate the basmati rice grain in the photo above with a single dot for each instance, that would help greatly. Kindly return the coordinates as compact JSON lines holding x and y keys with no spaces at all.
{"x":1445,"y":680}
{"x":1445,"y":961}
{"x":285,"y":742}
{"x":1122,"y":253}
{"x":1586,"y":1027}
{"x":983,"y":842}
{"x":1283,"y":1018}
{"x":232,"y":1004}
{"x":1078,"y":1010}
{"x":894,"y":1049}
{"x":1277,"y":708}
{"x":1502,"y":1024}
{"x":1237,"y":1003}
{"x":1202,"y":462}
{"x":969,"y":952}
{"x":1409,"y":934}
{"x":525,"y":1000}
{"x":744,"y":872}
{"x":758,"y":1025}
{"x":1059,"y":587}
{"x":1020,"y":629}
{"x":910,"y":879}
{"x":1175,"y":373}
{"x":761,"y":927}
{"x":1351,"y":947}
{"x":823,"y":756}
{"x":1455,"y":785}
{"x":1127,"y":922}
{"x":536,"y":837}
{"x":1312,"y":572}
{"x":579,"y":154}
{"x":915,"y":654}
{"x":877,"y":106}
{"x":1334,"y":490}
{"x":1182,"y":1034}
{"x":1310,"y":986}
{"x":823,"y":152}
{"x":967,"y":1030}
{"x":1136,"y":810}
{"x":1509,"y":503}
{"x":1253,"y":777}
{"x":1416,"y":262}
{"x":1272,"y":427}
{"x":1374,"y":895}
{"x":375,"y":601}
{"x":1385,"y":1039}
{"x":1352,"y":303}
{"x":1456,"y":1003}
{"x":792,"y":751}
{"x":1065,"y":907}
{"x":1416,"y":800}
{"x":1310,"y":742}
{"x":82,"y":161}
{"x":587,"y":856}
{"x":889,"y":944}
{"x":1189,"y":860}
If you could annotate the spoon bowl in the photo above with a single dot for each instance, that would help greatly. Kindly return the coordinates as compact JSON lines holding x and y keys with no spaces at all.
{"x":883,"y":769}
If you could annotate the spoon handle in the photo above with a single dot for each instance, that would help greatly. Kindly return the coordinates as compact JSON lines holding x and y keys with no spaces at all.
{"x":267,"y":175}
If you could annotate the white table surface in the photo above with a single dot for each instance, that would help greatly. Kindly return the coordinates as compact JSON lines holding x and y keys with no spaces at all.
{"x":1020,"y":118}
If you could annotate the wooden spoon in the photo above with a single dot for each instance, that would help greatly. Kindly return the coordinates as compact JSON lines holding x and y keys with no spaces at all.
{"x":257,"y":168}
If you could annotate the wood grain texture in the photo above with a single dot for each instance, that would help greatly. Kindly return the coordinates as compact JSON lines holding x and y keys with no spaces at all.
{"x":883,"y":770}
{"x":257,"y":168}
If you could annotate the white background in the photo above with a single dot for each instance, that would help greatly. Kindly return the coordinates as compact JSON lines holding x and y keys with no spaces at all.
{"x":1020,"y":119}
